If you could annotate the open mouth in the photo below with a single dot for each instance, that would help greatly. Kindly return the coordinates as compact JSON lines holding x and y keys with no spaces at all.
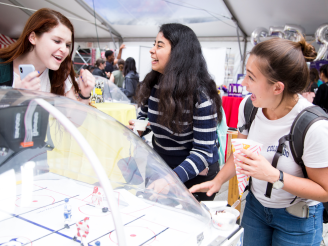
{"x":253,"y":97}
{"x":153,"y":60}
{"x":58,"y":58}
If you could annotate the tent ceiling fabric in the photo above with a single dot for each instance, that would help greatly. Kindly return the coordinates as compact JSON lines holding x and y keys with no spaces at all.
{"x":142,"y":18}
{"x":310,"y":14}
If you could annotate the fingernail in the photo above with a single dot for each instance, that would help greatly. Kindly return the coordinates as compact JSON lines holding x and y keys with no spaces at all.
{"x":81,"y":77}
{"x":38,"y":72}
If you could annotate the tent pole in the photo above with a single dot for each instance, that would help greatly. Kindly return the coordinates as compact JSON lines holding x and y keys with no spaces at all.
{"x":28,"y":12}
{"x":244,"y":60}
{"x":241,"y":29}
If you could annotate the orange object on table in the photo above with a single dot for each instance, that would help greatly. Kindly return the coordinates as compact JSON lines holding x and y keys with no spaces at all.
{"x":231,"y":106}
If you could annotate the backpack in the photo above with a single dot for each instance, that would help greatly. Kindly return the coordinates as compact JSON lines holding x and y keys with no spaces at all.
{"x":296,"y":137}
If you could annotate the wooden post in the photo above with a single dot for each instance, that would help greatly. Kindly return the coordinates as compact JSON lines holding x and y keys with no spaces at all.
{"x":233,"y":193}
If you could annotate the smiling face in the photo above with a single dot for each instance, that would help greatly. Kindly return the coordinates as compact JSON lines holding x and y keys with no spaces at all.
{"x":264,"y":94}
{"x":160,"y":53}
{"x":51,"y":48}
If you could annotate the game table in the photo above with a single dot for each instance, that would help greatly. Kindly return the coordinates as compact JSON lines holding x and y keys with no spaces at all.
{"x":51,"y":150}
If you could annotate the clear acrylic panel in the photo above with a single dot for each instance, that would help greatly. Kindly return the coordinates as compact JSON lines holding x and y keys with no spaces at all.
{"x":42,"y":164}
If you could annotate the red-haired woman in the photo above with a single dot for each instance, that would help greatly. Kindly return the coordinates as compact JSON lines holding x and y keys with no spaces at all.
{"x":47,"y":42}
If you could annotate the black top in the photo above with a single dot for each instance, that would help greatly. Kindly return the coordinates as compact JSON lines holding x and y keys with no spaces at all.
{"x":109,"y":67}
{"x":313,"y":87}
{"x":321,"y":97}
{"x":99,"y":72}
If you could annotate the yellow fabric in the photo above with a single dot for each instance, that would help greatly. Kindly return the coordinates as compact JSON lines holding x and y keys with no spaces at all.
{"x":119,"y":111}
{"x":106,"y":138}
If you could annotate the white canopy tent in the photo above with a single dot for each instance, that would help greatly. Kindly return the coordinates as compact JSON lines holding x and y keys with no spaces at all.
{"x":108,"y":23}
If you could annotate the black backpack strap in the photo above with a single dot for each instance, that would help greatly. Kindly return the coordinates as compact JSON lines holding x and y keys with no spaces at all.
{"x":276,"y":156}
{"x":6,"y":73}
{"x":305,"y":119}
{"x":249,"y":113}
{"x":296,"y":138}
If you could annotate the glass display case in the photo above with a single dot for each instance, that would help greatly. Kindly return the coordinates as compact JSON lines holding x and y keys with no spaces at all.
{"x":70,"y":174}
{"x":107,"y":91}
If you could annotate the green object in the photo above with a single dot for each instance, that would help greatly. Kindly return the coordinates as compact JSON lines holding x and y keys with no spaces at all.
{"x":118,"y":78}
{"x":221,"y":131}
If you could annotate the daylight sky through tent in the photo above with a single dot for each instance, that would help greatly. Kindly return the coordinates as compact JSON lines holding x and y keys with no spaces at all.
{"x":156,"y":12}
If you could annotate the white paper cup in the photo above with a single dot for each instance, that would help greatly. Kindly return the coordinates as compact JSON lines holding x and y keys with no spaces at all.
{"x":237,"y":145}
{"x":224,"y":221}
{"x":140,"y":125}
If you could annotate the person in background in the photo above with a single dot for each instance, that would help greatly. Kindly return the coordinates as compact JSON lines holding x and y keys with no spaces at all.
{"x":90,"y":68}
{"x":111,"y":60}
{"x":319,"y":81}
{"x":312,"y":88}
{"x":314,"y":79}
{"x":321,"y":97}
{"x":131,"y":79}
{"x":183,"y":106}
{"x":276,"y":72}
{"x":117,"y":76}
{"x":99,"y":70}
{"x":47,"y":42}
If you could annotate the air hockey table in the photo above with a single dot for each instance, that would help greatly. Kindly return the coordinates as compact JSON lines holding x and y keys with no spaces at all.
{"x":53,"y":148}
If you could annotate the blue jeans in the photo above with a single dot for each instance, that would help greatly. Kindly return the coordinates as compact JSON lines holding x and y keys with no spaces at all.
{"x":276,"y":227}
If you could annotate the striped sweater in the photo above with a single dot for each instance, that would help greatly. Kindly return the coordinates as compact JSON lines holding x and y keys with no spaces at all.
{"x":191,"y":151}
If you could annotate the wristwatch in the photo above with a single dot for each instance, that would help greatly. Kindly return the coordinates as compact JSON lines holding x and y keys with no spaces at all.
{"x":280,"y":182}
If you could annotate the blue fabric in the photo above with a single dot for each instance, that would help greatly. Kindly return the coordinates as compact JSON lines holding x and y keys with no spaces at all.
{"x":189,"y":151}
{"x":276,"y":227}
{"x":221,"y":130}
{"x":319,"y":82}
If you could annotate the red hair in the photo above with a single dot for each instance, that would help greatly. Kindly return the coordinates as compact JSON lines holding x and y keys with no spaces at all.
{"x":40,"y":22}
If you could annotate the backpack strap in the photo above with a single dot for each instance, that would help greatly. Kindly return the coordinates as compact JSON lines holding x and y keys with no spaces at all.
{"x":300,"y":126}
{"x":276,"y":156}
{"x":249,"y":113}
{"x":6,"y":73}
{"x":296,"y":138}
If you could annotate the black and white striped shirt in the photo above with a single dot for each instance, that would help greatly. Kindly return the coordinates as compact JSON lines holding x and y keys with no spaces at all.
{"x":195,"y":148}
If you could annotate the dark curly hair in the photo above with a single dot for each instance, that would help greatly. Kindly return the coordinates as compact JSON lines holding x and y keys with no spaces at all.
{"x":184,"y":79}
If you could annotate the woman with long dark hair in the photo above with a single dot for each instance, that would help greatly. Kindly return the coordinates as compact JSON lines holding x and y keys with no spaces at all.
{"x":181,"y":101}
{"x":47,"y":42}
{"x":291,"y":213}
{"x":131,"y":78}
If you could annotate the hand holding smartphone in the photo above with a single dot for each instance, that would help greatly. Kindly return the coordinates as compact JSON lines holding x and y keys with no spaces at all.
{"x":28,"y":78}
{"x":25,"y":69}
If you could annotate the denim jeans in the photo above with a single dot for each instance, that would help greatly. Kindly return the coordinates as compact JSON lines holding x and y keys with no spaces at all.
{"x":276,"y":227}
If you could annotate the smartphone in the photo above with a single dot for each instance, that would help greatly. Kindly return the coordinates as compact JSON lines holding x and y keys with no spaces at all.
{"x":300,"y":209}
{"x":25,"y":69}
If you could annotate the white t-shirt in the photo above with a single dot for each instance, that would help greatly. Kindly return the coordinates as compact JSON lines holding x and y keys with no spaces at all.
{"x":45,"y":81}
{"x":268,"y":132}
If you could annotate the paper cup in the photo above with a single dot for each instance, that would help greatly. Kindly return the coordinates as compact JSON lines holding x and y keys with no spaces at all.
{"x":140,"y":125}
{"x":224,"y":218}
{"x":237,"y":145}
